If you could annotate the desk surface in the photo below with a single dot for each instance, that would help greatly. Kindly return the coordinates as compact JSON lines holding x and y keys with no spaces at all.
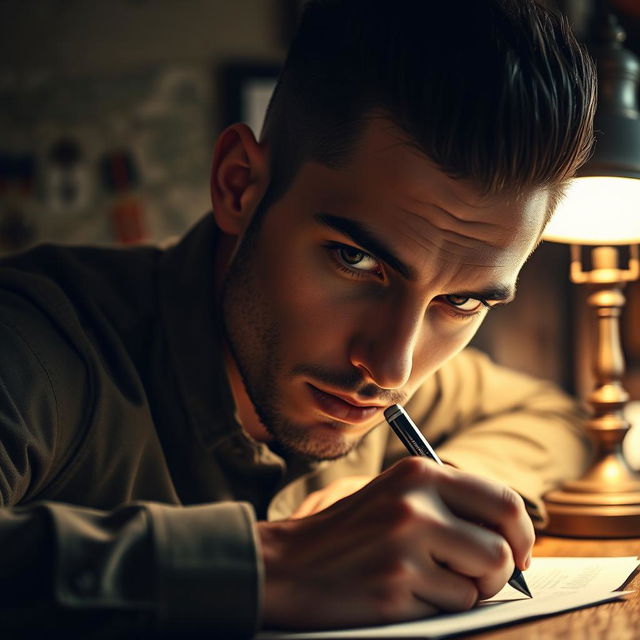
{"x":612,"y":621}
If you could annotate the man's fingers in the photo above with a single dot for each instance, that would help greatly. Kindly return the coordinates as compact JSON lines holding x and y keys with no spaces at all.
{"x":479,"y":553}
{"x":475,"y":501}
{"x":491,"y":504}
{"x":420,"y":588}
{"x":447,"y":590}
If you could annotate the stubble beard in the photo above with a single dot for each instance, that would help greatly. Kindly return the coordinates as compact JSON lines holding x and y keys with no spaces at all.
{"x":255,"y":344}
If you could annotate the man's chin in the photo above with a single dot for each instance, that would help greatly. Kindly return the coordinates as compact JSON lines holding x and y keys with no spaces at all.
{"x":315,"y":444}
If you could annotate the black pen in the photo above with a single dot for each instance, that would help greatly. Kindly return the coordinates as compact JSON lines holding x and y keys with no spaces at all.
{"x":418,"y":445}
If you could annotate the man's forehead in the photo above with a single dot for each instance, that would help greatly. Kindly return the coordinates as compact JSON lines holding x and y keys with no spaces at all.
{"x":491,"y":235}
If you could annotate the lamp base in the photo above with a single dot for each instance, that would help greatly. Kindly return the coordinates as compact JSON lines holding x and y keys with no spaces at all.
{"x":593,"y":514}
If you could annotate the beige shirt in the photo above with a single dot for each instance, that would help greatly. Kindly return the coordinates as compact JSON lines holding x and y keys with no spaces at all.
{"x":128,"y":490}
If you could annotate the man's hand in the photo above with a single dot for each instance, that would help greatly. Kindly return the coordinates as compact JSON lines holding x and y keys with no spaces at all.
{"x":420,"y":538}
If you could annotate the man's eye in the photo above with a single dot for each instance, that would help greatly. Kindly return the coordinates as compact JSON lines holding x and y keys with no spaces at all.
{"x":468,"y":305}
{"x":355,"y":259}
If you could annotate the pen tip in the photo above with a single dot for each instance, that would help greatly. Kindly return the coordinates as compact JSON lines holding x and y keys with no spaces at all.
{"x":517,"y":581}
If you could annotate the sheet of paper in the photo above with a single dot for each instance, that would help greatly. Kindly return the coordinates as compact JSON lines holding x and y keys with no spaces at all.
{"x":558,"y":584}
{"x":549,"y":576}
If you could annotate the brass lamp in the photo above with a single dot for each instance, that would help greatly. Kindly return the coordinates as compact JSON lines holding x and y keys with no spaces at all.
{"x":600,"y":216}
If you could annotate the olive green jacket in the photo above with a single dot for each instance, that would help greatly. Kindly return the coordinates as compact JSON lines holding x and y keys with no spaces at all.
{"x":129,"y":492}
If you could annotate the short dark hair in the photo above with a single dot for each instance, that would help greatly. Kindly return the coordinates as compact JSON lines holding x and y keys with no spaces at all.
{"x":495,"y":91}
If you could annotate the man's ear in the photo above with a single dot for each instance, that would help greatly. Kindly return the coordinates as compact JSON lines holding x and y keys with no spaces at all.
{"x":239,"y":178}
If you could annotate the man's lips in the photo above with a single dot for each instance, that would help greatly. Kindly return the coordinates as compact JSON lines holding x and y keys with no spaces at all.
{"x":341,"y":409}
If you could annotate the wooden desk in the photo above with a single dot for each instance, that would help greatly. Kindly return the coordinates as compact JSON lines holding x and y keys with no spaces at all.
{"x":611,"y":621}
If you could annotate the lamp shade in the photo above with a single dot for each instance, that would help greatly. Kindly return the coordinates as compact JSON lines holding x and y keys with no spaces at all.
{"x":598,"y":210}
{"x":602,"y":205}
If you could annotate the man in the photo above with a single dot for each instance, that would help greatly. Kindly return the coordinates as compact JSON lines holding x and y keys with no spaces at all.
{"x":155,"y":404}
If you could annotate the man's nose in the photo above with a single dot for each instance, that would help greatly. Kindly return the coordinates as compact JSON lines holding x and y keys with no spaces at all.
{"x":384,"y":346}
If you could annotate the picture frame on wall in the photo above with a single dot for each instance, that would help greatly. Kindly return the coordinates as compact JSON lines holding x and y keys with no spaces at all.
{"x":246,"y":86}
{"x":246,"y":89}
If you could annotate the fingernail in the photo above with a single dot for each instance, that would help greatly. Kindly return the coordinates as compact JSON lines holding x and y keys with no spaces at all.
{"x":527,"y":561}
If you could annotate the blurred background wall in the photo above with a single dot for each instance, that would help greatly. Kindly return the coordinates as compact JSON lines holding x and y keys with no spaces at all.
{"x":108,"y":114}
{"x":115,"y":102}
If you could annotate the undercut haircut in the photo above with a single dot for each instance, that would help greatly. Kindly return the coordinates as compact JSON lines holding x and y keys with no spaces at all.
{"x":498,"y":92}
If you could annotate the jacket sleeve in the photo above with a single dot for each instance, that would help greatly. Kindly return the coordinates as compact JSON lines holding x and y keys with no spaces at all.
{"x":503,"y":424}
{"x":142,"y":567}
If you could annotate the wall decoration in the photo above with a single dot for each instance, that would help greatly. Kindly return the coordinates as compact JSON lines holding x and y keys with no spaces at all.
{"x":158,"y":117}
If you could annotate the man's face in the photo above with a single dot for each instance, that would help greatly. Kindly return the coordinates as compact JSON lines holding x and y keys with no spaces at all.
{"x":362,"y":281}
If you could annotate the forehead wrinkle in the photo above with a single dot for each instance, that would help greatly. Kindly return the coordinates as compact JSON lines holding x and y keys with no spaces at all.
{"x":453,"y":245}
{"x":458,"y":233}
{"x":464,"y":221}
{"x":450,"y":212}
{"x":472,"y":258}
{"x":466,"y":193}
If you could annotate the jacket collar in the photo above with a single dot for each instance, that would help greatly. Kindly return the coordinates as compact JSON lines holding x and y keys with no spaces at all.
{"x":193,"y":332}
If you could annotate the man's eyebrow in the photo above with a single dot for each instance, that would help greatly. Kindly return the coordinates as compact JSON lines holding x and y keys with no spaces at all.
{"x":367,"y":240}
{"x":497,"y":293}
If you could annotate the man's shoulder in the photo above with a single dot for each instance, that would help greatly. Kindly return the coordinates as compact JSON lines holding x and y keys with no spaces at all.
{"x":75,"y":323}
{"x":77,"y":310}
{"x":80,"y":282}
{"x":72,"y":267}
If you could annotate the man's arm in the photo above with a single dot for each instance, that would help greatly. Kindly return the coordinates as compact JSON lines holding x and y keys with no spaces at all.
{"x":141,"y":567}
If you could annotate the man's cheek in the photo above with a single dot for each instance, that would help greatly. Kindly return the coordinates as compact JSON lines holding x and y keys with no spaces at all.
{"x":437,"y":347}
